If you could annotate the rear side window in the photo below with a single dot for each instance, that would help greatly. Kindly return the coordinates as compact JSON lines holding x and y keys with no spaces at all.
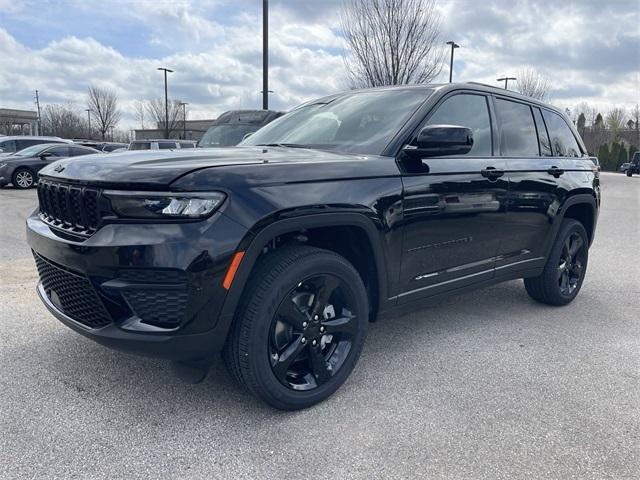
{"x":563,"y":143}
{"x":140,"y":146}
{"x":75,"y":151}
{"x":166,"y":145}
{"x":186,"y":145}
{"x":543,"y":135}
{"x":469,"y":111}
{"x":20,"y":144}
{"x":518,"y":136}
{"x":8,"y":146}
{"x":59,"y":151}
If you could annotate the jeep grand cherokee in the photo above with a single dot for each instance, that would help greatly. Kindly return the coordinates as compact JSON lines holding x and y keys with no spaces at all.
{"x":278,"y":252}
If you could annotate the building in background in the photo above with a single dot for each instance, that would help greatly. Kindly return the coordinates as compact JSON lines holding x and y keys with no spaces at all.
{"x":19,"y":122}
{"x":194,"y":131}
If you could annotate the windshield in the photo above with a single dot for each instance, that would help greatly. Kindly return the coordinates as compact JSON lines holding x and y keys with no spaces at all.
{"x":358,"y":122}
{"x":31,"y":151}
{"x":226,"y":135}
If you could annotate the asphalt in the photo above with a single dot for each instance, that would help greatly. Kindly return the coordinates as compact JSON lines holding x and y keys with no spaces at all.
{"x":489,"y":385}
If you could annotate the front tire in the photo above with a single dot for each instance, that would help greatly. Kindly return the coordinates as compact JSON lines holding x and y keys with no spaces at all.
{"x":23,"y":178}
{"x":565,"y":269}
{"x":300,"y":328}
{"x":629,"y":173}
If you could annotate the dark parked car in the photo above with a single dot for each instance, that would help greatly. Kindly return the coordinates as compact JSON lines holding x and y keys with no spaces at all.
{"x":278,"y":252}
{"x":634,"y":165}
{"x":11,"y":144}
{"x":21,"y":168}
{"x":232,"y":127}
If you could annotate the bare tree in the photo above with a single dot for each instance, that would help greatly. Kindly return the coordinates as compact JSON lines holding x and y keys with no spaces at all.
{"x":615,"y":120}
{"x":103,"y":104}
{"x":63,"y":121}
{"x":155,"y":109}
{"x":140,"y":112}
{"x":392,"y":42}
{"x":635,"y":116}
{"x":533,"y":84}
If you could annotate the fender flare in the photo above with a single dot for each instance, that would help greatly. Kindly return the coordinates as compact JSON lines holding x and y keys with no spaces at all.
{"x":254,"y":243}
{"x":580,"y":198}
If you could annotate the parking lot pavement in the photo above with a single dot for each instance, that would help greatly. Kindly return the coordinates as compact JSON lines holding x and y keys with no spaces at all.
{"x":487,"y":385}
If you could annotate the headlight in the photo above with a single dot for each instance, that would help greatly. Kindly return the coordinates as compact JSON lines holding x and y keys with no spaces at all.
{"x":164,"y":205}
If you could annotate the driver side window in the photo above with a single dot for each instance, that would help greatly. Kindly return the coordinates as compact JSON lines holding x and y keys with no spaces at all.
{"x":471,"y":111}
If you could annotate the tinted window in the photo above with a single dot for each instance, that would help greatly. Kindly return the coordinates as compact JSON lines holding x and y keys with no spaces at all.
{"x":226,"y":135}
{"x":358,"y":122}
{"x":469,"y":111}
{"x":518,"y":137}
{"x":543,"y":136}
{"x":20,"y":144}
{"x":8,"y":146}
{"x":186,"y":145}
{"x":75,"y":151}
{"x":166,"y":145}
{"x":563,"y":143}
{"x":59,"y":151}
{"x":140,"y":146}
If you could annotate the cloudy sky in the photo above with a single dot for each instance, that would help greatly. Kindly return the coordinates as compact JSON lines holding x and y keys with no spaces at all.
{"x":588,"y":49}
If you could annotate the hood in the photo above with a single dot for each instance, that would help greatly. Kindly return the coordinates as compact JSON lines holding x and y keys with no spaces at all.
{"x":156,"y":169}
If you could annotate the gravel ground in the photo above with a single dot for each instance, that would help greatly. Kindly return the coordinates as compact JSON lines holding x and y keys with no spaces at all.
{"x":485,"y":386}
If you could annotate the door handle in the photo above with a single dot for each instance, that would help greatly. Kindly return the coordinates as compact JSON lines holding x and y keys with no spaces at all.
{"x":555,"y":171}
{"x":492,"y":173}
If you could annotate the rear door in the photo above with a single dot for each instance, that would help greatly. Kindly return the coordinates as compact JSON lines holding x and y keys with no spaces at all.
{"x":541,"y":154}
{"x":454,"y":206}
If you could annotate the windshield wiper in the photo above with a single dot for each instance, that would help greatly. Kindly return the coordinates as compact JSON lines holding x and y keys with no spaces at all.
{"x":289,"y":145}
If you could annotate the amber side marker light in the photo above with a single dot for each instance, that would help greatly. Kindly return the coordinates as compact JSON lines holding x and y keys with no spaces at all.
{"x":233,"y":268}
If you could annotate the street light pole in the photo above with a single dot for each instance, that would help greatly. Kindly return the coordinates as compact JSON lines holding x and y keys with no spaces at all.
{"x":506,"y":81}
{"x":166,"y":102}
{"x":265,"y":54}
{"x":454,"y":45}
{"x":88,"y":110}
{"x":184,"y":120}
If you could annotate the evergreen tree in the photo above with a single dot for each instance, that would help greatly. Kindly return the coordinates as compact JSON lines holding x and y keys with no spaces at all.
{"x":603,"y":155}
{"x":599,"y":121}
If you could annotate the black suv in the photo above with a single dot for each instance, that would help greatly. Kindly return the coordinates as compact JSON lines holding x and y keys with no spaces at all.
{"x":634,"y":164}
{"x":279,"y":252}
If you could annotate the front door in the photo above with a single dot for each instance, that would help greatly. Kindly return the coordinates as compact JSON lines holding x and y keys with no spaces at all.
{"x":454,"y":207}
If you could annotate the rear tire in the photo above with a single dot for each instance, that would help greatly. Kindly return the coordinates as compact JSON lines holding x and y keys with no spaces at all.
{"x":300,"y":327}
{"x":565,"y":269}
{"x":23,"y":178}
{"x":629,"y":173}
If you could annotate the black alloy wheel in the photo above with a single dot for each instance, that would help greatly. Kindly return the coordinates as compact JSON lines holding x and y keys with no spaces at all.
{"x":312,"y":332}
{"x":565,"y":269}
{"x":300,"y":327}
{"x":571,"y":267}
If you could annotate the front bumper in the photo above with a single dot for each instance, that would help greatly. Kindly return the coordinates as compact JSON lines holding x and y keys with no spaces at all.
{"x":159,"y":286}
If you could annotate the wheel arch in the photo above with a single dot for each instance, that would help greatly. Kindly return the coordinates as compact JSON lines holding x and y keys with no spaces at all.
{"x":582,"y":208}
{"x":255,"y":243}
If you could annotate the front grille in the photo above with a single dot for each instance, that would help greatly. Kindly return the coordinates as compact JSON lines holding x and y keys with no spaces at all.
{"x":69,"y":207}
{"x":73,"y":294}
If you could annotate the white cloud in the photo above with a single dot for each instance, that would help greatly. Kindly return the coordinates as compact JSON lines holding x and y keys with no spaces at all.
{"x":589,"y":50}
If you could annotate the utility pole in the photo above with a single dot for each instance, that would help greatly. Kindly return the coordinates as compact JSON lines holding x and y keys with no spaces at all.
{"x":454,"y":45}
{"x":184,"y":120}
{"x":506,"y":81}
{"x":88,"y":110}
{"x":39,"y":118}
{"x":265,"y":54}
{"x":166,"y":102}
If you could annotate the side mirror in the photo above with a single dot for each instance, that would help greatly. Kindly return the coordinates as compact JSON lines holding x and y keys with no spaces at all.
{"x":247,"y":135}
{"x":437,"y":140}
{"x":44,"y":155}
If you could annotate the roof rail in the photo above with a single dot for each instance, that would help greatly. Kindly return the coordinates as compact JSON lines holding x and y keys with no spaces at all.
{"x":483,"y":84}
